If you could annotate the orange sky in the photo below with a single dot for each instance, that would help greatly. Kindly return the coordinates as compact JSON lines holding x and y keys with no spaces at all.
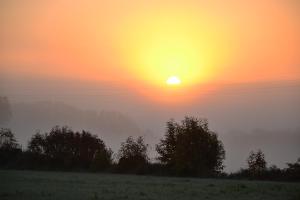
{"x":141,"y":43}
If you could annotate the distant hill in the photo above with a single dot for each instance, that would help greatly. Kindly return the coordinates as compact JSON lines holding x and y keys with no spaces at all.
{"x":112,"y":126}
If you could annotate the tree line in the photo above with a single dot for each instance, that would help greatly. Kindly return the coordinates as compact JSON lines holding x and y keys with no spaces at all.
{"x":188,"y":148}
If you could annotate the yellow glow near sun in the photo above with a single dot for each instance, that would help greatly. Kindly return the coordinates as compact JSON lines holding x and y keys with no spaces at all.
{"x":173,"y":80}
{"x":153,"y":48}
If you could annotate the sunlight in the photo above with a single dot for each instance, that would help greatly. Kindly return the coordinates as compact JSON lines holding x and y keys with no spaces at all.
{"x":162,"y":46}
{"x":173,"y":80}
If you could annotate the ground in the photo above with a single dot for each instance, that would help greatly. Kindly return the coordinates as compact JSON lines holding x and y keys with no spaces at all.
{"x":66,"y":185}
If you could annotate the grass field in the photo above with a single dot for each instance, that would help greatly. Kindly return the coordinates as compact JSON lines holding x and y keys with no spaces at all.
{"x":64,"y":185}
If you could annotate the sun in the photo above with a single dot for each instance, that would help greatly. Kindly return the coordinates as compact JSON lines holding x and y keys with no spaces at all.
{"x":173,"y":80}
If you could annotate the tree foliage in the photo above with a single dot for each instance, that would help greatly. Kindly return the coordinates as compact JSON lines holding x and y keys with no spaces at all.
{"x":293,"y":171}
{"x":9,"y":148}
{"x":62,"y":148}
{"x":133,"y":155}
{"x":256,"y":162}
{"x":190,"y":148}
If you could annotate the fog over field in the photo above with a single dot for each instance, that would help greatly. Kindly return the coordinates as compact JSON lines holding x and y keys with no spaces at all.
{"x":246,"y":116}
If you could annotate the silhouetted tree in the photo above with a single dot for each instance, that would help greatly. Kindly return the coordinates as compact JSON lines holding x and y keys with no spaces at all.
{"x":37,"y":144}
{"x":5,"y":110}
{"x":133,"y":156}
{"x":256,"y":163}
{"x":273,"y":173}
{"x":190,"y":148}
{"x":9,"y":148}
{"x":36,"y":152}
{"x":7,"y":139}
{"x":292,"y":172}
{"x":102,"y":160}
{"x":167,"y":147}
{"x":61,"y":148}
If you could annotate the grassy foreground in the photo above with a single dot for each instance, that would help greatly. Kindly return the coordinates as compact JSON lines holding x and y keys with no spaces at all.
{"x":64,"y":185}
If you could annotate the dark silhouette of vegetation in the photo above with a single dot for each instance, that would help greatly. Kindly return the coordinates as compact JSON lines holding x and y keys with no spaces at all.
{"x":62,"y":148}
{"x":256,"y":163}
{"x":190,"y":148}
{"x":293,"y":171}
{"x":9,"y":148}
{"x":257,"y":167}
{"x":258,"y":170}
{"x":133,"y":156}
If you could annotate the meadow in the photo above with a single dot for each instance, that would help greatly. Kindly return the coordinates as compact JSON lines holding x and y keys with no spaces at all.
{"x":91,"y":186}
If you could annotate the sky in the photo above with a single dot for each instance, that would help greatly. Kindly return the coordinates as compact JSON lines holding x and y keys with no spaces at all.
{"x":237,"y":62}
